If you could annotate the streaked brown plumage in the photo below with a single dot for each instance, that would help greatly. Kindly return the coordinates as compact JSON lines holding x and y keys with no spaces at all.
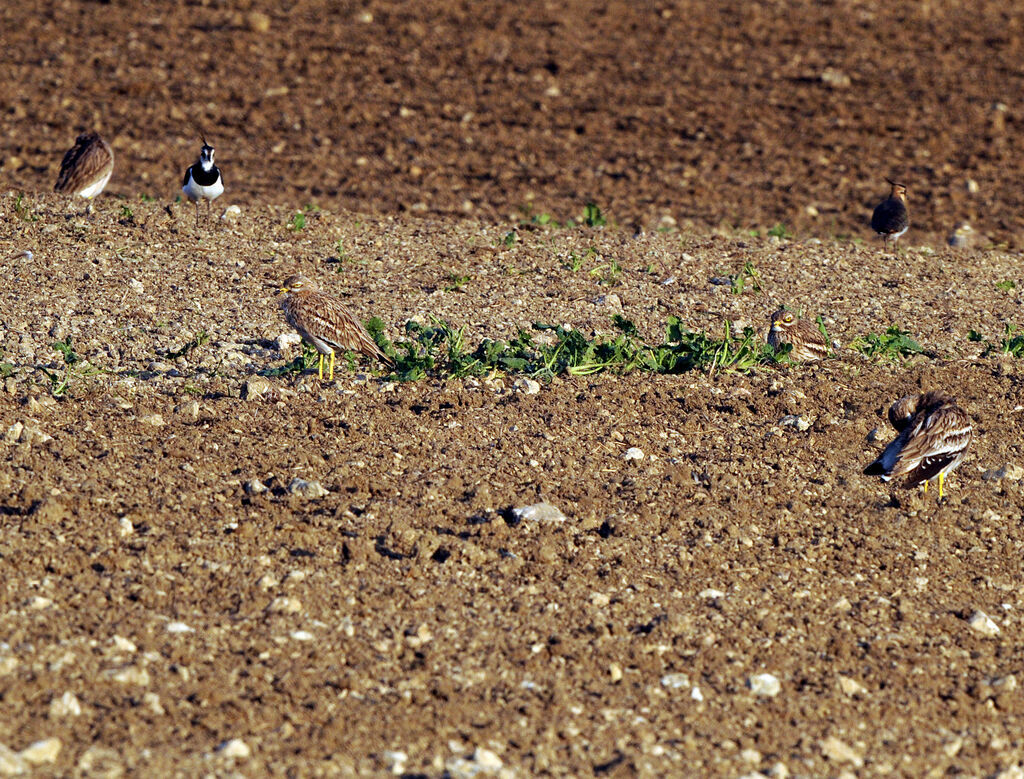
{"x":86,"y":167}
{"x":890,"y":218}
{"x":808,"y":342}
{"x":934,"y":434}
{"x":326,"y":323}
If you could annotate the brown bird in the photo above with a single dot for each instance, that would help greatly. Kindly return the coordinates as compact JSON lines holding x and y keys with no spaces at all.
{"x":890,"y":218}
{"x":934,"y":434}
{"x":86,"y":167}
{"x":326,"y":323}
{"x":808,"y":342}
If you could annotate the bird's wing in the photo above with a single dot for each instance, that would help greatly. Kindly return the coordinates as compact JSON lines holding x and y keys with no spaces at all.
{"x":83,"y":163}
{"x":934,"y":443}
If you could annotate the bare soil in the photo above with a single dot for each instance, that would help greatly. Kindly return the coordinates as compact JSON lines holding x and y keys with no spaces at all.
{"x":152,"y":608}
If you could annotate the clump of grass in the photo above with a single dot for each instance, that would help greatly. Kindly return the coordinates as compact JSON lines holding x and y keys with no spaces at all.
{"x":780,"y":231}
{"x":1006,"y":285}
{"x":894,"y":344}
{"x":298,"y":222}
{"x":607,"y":273}
{"x":22,"y":210}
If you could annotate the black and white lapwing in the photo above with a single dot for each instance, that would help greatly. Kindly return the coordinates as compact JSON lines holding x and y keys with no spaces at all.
{"x":86,"y":167}
{"x":890,"y":218}
{"x":203,"y":181}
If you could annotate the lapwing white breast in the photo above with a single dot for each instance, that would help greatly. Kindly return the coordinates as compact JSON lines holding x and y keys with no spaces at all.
{"x":203,"y":181}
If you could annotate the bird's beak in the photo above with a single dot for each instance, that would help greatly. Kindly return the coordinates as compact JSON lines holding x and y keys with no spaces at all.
{"x":776,"y":323}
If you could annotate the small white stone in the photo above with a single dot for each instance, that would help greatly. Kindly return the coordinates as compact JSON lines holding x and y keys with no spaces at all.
{"x":153,"y":420}
{"x":235,"y":748}
{"x":396,"y":761}
{"x":675,"y":681}
{"x":254,"y":487}
{"x":311,"y":490}
{"x":539,"y":512}
{"x":152,"y":700}
{"x":131,"y":675}
{"x":764,"y":685}
{"x":136,"y":286}
{"x":179,"y":627}
{"x":301,"y":635}
{"x":67,"y":705}
{"x":750,"y":756}
{"x":122,"y":644}
{"x":38,"y":603}
{"x":793,"y":420}
{"x":779,"y":771}
{"x":41,"y":752}
{"x":527,"y":386}
{"x":11,"y":763}
{"x":287,"y":340}
{"x":487,"y":760}
{"x":615,"y":672}
{"x":851,"y":687}
{"x":125,"y":527}
{"x":267,"y":581}
{"x":285,"y":605}
{"x":983,"y":623}
{"x":599,"y":599}
{"x":633,"y":453}
{"x":840,"y":752}
{"x":711,"y":594}
{"x":230,"y":213}
{"x":696,"y":694}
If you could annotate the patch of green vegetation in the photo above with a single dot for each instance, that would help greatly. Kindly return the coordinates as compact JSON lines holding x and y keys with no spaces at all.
{"x":200,"y":338}
{"x":780,"y":231}
{"x":748,"y":275}
{"x":146,"y":198}
{"x":1006,"y":286}
{"x":894,"y":344}
{"x":510,"y":239}
{"x":1011,"y":343}
{"x":456,"y":282}
{"x":298,"y":222}
{"x":439,"y":350}
{"x":607,"y":273}
{"x":305,"y":359}
{"x":66,"y":351}
{"x":22,"y":209}
{"x":127,"y":214}
{"x":592,"y":216}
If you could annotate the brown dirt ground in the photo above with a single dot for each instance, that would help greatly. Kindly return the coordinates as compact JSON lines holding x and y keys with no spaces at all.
{"x":403,"y":611}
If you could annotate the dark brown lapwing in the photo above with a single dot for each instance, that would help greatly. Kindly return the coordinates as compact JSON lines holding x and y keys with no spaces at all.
{"x":890,"y":219}
{"x":86,"y":167}
{"x":203,"y":181}
{"x":934,"y":433}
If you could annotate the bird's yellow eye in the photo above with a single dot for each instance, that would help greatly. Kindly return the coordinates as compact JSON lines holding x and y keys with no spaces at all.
{"x":787,"y":318}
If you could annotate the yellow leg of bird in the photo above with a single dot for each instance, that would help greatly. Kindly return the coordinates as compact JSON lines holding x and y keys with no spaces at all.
{"x":926,"y":488}
{"x":320,"y":364}
{"x":941,"y":477}
{"x":332,"y":366}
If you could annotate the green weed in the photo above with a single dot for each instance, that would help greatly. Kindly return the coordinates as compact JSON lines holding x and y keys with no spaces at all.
{"x":457,"y":282}
{"x":780,"y":231}
{"x":592,"y":216}
{"x":607,"y":273}
{"x":894,"y":344}
{"x":22,"y":210}
{"x":200,"y":338}
{"x":748,"y":275}
{"x":298,"y":222}
{"x":1006,"y":286}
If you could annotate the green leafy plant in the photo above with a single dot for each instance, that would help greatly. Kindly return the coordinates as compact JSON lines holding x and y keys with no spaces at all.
{"x":510,"y":239}
{"x":748,"y":275}
{"x":894,"y":344}
{"x":1006,"y":286}
{"x":592,"y":216}
{"x":199,"y":339}
{"x":607,"y":273}
{"x":298,"y":222}
{"x":1012,"y":342}
{"x":780,"y":231}
{"x":22,"y":210}
{"x":457,"y":282}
